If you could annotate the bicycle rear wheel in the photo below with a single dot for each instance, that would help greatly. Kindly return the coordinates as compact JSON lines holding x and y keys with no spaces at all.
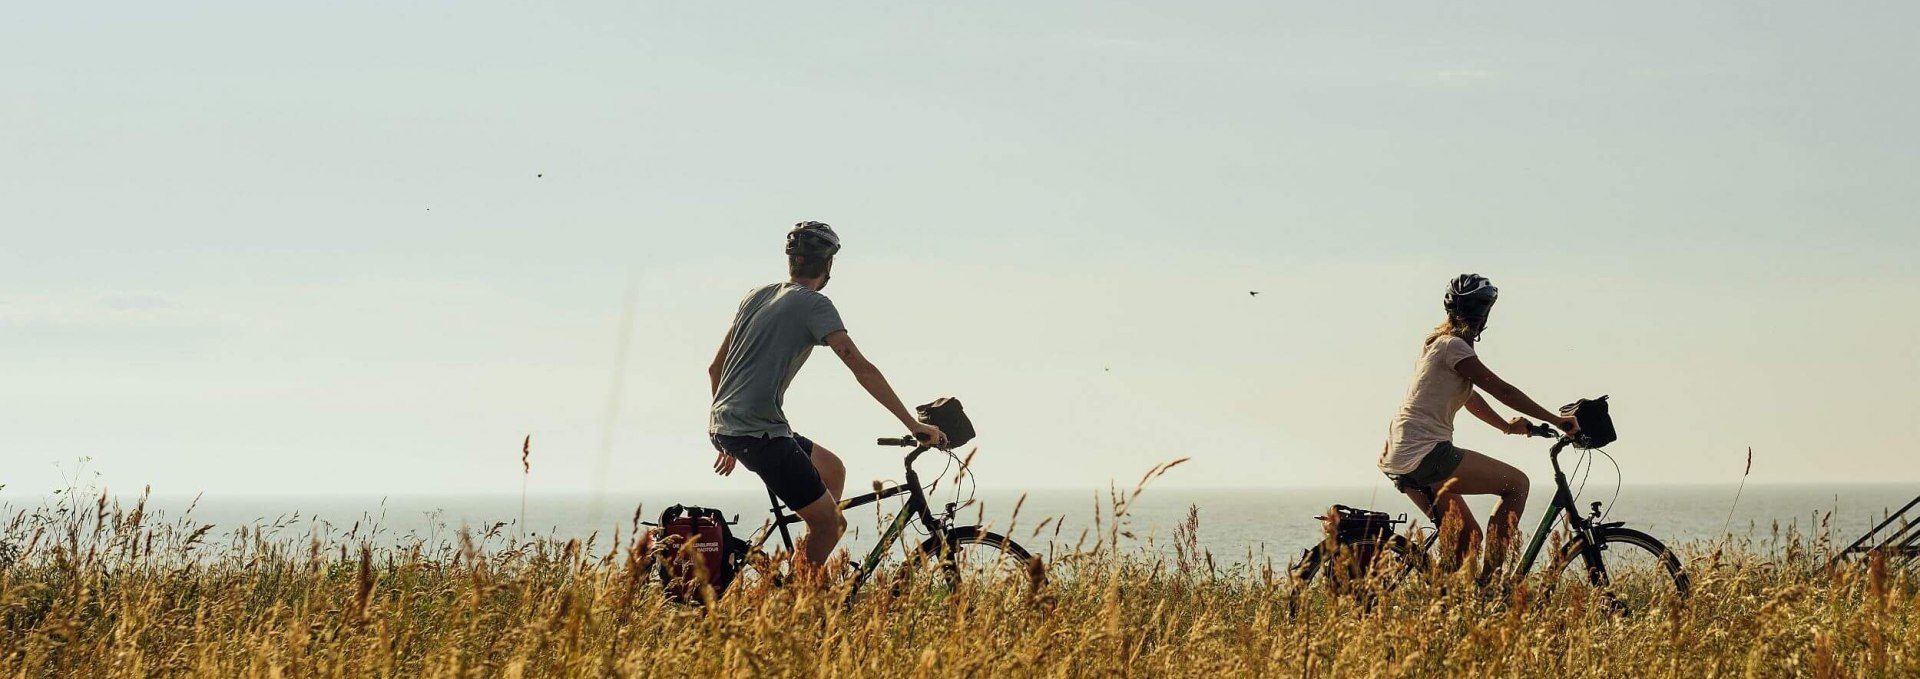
{"x":1383,"y":563}
{"x":976,"y":554}
{"x":1635,"y":574}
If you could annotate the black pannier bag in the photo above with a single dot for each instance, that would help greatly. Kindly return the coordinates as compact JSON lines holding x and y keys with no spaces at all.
{"x":1354,"y":538}
{"x":1596,"y":426}
{"x":952,"y":420}
{"x":1351,"y":524}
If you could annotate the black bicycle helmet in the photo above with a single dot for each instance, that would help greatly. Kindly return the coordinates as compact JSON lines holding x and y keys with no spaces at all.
{"x":1470,"y":297}
{"x":812,"y":239}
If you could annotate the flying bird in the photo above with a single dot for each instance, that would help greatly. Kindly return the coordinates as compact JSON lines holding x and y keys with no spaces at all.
{"x":1252,"y":293}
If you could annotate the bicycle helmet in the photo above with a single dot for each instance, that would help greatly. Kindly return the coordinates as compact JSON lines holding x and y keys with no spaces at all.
{"x":812,"y":239}
{"x":1470,"y":297}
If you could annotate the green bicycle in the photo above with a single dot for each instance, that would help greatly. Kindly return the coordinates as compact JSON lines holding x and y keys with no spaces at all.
{"x":1633,"y":570}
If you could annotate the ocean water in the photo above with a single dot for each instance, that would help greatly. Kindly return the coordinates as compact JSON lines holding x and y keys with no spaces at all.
{"x":1235,"y":525}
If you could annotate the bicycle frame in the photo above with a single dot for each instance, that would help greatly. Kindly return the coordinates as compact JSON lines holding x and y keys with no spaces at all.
{"x":916,"y":506}
{"x":1563,"y":502}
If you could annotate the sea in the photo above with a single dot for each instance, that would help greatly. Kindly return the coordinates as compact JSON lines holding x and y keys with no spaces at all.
{"x":1234,"y":525}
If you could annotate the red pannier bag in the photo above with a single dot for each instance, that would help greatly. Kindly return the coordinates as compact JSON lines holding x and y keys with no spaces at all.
{"x":696,"y":556}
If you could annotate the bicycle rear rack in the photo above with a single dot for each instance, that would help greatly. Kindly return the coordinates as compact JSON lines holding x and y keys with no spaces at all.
{"x":1901,"y":546}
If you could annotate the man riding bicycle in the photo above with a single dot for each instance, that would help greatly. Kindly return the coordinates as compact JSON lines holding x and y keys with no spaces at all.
{"x":774,"y":331}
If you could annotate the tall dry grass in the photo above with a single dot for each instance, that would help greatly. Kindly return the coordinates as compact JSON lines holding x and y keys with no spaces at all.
{"x":102,"y":590}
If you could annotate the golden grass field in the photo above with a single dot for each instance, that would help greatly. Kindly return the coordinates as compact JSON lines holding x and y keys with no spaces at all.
{"x":98,"y":590}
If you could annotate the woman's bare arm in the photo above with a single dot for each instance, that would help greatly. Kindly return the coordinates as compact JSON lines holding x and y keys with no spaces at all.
{"x":1480,"y":408}
{"x":1484,"y":379}
{"x":1483,"y":410}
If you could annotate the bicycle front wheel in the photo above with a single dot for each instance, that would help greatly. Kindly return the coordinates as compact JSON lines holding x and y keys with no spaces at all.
{"x":1633,"y":572}
{"x":976,"y":554}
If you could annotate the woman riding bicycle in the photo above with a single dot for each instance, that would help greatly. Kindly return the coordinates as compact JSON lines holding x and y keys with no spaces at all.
{"x":1420,"y":456}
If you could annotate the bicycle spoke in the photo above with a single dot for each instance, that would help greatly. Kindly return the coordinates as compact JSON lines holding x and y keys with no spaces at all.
{"x":1638,"y":574}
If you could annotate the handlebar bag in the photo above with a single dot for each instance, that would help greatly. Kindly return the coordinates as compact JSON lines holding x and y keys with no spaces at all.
{"x":952,"y":420}
{"x":1596,"y":426}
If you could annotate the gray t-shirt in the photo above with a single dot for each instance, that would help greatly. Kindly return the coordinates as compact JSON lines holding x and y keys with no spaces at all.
{"x":775,"y":330}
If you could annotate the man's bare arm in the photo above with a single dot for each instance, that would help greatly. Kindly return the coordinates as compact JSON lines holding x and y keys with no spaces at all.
{"x":719,"y":363}
{"x":877,"y":386}
{"x":868,"y":375}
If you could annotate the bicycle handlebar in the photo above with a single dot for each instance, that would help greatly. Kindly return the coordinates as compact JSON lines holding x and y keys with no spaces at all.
{"x":1543,"y":430}
{"x":905,"y":442}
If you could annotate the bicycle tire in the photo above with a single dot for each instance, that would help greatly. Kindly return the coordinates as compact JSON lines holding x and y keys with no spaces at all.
{"x":1623,"y":589}
{"x":979,"y":545}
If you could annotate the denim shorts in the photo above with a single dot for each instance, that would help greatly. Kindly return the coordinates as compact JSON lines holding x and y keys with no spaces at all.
{"x":1436,"y":466}
{"x":785,"y":463}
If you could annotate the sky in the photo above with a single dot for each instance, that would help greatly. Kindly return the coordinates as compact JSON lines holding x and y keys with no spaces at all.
{"x":367,"y":247}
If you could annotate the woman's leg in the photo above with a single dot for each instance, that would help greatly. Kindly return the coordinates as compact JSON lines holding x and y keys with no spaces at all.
{"x":1459,"y":528}
{"x":1482,"y":475}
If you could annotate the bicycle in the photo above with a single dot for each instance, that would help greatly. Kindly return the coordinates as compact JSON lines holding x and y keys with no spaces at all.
{"x":954,"y":548}
{"x":1639,"y":571}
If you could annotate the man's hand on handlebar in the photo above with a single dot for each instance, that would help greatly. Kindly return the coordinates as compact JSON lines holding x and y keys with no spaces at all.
{"x":928,"y":434}
{"x":1520,"y":426}
{"x":1568,"y":425}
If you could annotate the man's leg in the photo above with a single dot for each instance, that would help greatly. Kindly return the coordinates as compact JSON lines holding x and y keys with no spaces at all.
{"x":787,"y":468}
{"x":1482,"y":475}
{"x":803,"y":476}
{"x":833,"y":473}
{"x":823,"y":529}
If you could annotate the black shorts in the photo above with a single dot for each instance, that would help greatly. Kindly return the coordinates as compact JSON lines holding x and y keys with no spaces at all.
{"x":785,"y":463}
{"x":1438,"y":465}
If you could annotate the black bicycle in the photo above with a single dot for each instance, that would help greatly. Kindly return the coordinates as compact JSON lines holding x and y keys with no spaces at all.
{"x":956,"y":551}
{"x":1632,"y":569}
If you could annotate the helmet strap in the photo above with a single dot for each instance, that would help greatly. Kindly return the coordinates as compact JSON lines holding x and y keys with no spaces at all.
{"x":1477,"y":326}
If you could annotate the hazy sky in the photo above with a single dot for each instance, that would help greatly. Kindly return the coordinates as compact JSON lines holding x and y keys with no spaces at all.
{"x":307,"y":247}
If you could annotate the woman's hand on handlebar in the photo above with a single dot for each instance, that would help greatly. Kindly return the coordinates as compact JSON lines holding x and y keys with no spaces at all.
{"x":1520,"y":426}
{"x":928,"y":434}
{"x":1566,"y":424}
